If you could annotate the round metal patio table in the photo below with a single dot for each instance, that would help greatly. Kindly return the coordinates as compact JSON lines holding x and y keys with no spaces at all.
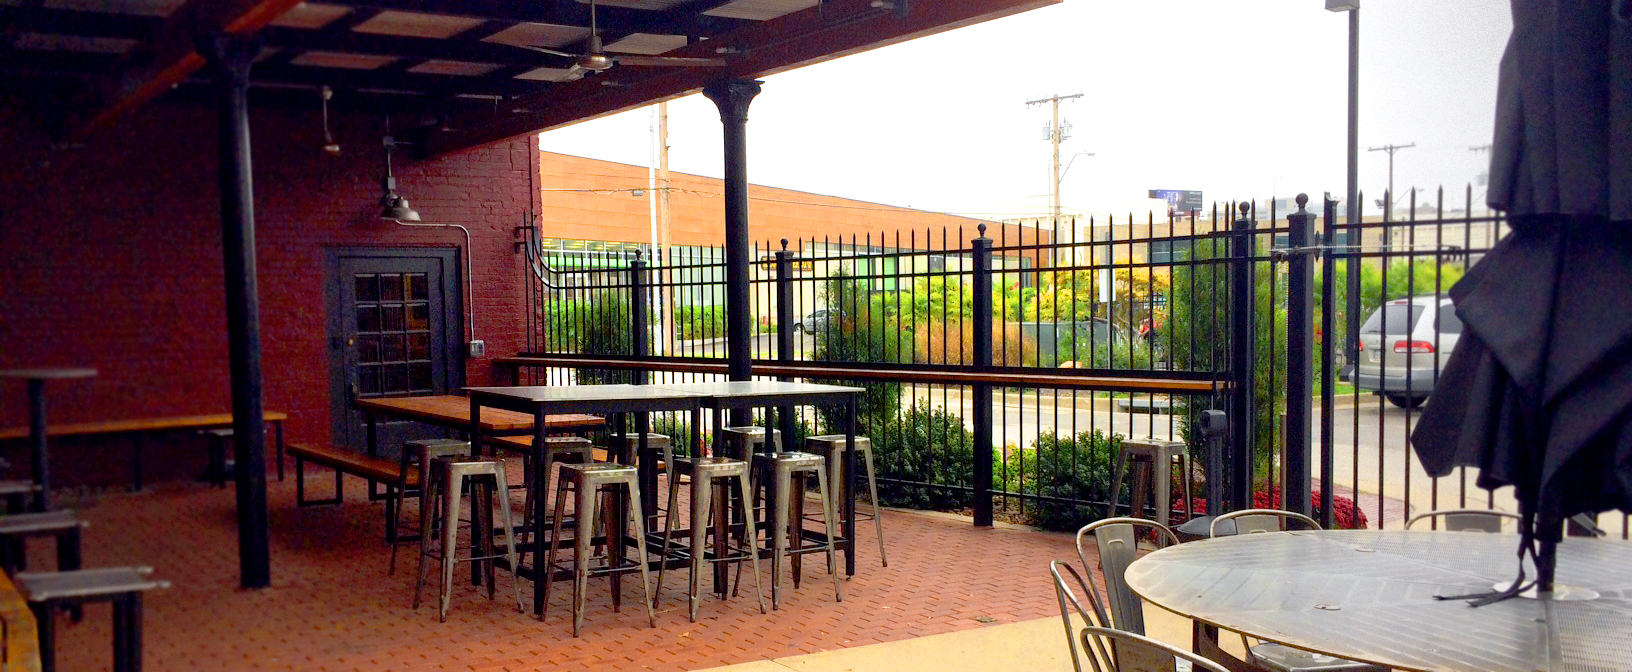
{"x":1368,"y":595}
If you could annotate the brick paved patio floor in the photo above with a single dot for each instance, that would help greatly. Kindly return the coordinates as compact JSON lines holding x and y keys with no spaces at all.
{"x":333,"y":607}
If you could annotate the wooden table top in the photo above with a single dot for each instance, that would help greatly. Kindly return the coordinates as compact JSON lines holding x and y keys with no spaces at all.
{"x":446,"y":410}
{"x":53,"y":373}
{"x":1368,"y":595}
{"x":137,"y":425}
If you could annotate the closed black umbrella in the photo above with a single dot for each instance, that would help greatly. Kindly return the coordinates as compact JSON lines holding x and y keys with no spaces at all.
{"x":1538,"y":393}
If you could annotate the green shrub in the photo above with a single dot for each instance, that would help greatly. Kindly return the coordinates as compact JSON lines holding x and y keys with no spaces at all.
{"x":1074,"y":468}
{"x":865,"y":334}
{"x":697,"y":322}
{"x":927,"y":445}
{"x":563,"y":325}
{"x":605,"y":330}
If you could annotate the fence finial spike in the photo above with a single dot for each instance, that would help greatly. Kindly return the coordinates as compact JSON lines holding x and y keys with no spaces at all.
{"x":784,"y":243}
{"x":637,"y":254}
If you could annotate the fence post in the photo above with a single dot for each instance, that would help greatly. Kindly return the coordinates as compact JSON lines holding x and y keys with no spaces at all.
{"x":983,"y":393}
{"x":784,"y":332}
{"x":1243,"y":341}
{"x":641,"y":341}
{"x":1300,"y":341}
{"x":1328,"y":376}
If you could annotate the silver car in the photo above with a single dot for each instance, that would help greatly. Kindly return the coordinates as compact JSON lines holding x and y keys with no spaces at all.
{"x":1403,"y":346}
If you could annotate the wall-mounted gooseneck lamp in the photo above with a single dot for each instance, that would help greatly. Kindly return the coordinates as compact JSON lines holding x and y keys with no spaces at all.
{"x":393,"y":207}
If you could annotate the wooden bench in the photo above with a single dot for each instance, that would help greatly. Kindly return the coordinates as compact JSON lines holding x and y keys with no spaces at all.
{"x":138,"y":427}
{"x":342,"y":461}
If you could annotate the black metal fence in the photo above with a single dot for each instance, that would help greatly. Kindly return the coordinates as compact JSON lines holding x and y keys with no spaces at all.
{"x":1003,"y":377}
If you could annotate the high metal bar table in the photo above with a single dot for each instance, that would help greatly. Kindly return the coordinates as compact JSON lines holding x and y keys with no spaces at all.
{"x":40,"y":453}
{"x":1368,"y":595}
{"x":542,"y":402}
{"x":720,"y":397}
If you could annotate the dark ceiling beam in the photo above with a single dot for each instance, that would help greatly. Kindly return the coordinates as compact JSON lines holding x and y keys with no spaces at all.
{"x":834,"y":29}
{"x":678,"y":21}
{"x":433,"y":86}
{"x":75,"y":22}
{"x":416,"y":48}
{"x":172,"y":54}
{"x":39,"y":63}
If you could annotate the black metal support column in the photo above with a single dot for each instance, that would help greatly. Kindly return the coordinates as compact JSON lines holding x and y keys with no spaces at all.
{"x":784,"y":331}
{"x":231,"y":58}
{"x":983,"y":393}
{"x":1328,"y":374}
{"x":733,"y":96}
{"x":639,"y":314}
{"x":1300,"y":341}
{"x":40,"y":452}
{"x":1243,"y":301}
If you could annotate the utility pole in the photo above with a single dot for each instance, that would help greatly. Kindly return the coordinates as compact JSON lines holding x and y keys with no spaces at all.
{"x":1054,"y":136}
{"x":664,"y":234}
{"x":1390,"y":149}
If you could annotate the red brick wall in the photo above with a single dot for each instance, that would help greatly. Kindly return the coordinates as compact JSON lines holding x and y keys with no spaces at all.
{"x":110,"y":256}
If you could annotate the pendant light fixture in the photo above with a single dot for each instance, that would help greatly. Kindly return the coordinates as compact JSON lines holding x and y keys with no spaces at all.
{"x":393,"y":207}
{"x":329,"y":145}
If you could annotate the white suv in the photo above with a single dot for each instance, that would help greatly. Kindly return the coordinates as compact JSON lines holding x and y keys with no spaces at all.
{"x":1403,"y":346}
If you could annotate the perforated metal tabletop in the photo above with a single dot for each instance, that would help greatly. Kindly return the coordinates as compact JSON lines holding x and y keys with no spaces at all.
{"x":1368,"y":595}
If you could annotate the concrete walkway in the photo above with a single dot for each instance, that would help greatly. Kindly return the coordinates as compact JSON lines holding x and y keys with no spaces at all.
{"x":1036,"y":645}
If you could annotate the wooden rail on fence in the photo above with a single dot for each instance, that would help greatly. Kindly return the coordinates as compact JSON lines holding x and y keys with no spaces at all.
{"x":1048,"y":378}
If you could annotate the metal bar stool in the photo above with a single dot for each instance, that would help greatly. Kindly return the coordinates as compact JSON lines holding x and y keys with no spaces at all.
{"x":416,"y":459}
{"x":557,"y":449}
{"x":1149,"y":458}
{"x":740,"y":442}
{"x":588,"y":481}
{"x":217,"y":471}
{"x":16,"y":529}
{"x":831,"y":446}
{"x":661,"y":445}
{"x":784,"y":474}
{"x":47,"y":592}
{"x":708,"y":474}
{"x":448,"y":476}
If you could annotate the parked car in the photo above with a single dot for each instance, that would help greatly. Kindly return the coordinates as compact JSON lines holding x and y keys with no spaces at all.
{"x":816,"y":322}
{"x":1402,"y":347}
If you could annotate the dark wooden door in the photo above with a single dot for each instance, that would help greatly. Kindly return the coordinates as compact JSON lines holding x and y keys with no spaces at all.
{"x":394,"y":330}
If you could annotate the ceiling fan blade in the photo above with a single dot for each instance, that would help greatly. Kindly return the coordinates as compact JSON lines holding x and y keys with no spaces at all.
{"x":545,"y":50}
{"x":670,"y":61}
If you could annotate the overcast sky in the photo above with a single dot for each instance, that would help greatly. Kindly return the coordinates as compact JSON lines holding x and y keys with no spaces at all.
{"x":1242,"y":99}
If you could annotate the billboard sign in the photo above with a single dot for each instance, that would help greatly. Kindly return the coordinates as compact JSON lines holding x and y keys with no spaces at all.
{"x":1179,"y":200}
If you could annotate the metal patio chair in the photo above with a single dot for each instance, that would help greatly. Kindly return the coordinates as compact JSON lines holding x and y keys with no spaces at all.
{"x":1068,"y":603}
{"x":1138,"y":653}
{"x":1117,"y":541}
{"x":1269,"y":655}
{"x":1466,"y":520}
{"x":1251,"y":521}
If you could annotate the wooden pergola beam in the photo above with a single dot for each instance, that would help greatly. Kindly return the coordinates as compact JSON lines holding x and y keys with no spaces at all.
{"x":172,"y":54}
{"x":833,"y":29}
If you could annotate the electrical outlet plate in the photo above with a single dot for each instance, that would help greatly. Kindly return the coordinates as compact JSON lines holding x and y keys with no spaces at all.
{"x":478,"y":348}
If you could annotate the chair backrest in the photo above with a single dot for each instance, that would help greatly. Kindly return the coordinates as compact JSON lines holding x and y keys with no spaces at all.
{"x":1117,"y":541}
{"x":1467,"y":520}
{"x":1138,"y":653}
{"x":1068,"y":603}
{"x":1250,"y":521}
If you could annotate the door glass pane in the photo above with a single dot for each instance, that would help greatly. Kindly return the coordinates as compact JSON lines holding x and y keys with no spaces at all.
{"x":395,"y":348}
{"x":418,"y":287}
{"x":368,"y":318}
{"x":367,"y":289}
{"x":395,"y":379}
{"x":391,"y":317}
{"x":419,"y":346}
{"x":419,"y":376}
{"x":390,"y":287}
{"x":419,"y":316}
{"x":368,"y":379}
{"x":368,"y":349}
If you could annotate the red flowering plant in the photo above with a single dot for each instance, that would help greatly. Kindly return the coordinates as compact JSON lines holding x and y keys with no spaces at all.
{"x":1346,"y":515}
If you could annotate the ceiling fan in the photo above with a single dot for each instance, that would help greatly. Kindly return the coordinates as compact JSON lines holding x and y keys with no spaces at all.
{"x":595,"y":59}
